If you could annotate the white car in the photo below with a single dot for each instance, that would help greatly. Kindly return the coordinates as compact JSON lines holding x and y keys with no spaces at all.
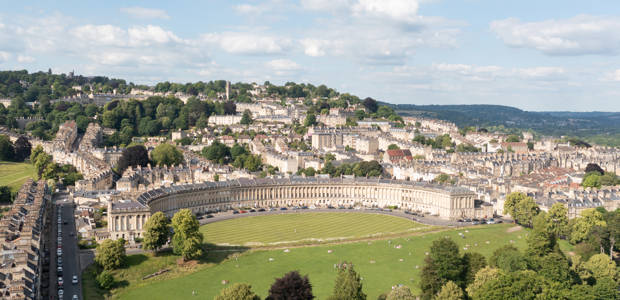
{"x":59,"y":252}
{"x":60,"y":293}
{"x":74,"y":280}
{"x":75,"y":297}
{"x":60,"y":282}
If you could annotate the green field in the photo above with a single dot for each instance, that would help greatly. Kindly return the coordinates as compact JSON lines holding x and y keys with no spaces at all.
{"x":381,"y":264}
{"x":15,"y":174}
{"x":307,"y":227}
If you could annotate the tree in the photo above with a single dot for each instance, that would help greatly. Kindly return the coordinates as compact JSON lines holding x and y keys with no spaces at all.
{"x":246,"y":118}
{"x":393,"y":147}
{"x":187,"y":238}
{"x":583,"y":224}
{"x":507,"y":258}
{"x":217,"y":152}
{"x":291,"y":286}
{"x":540,"y":241}
{"x":105,"y":280}
{"x":5,"y":195}
{"x":513,"y":139}
{"x":371,"y":104}
{"x":22,"y":148}
{"x":600,"y":266}
{"x":521,"y":285}
{"x":473,"y":262}
{"x":400,"y":293}
{"x":133,"y":156}
{"x":7,"y":152}
{"x":592,"y":180}
{"x":310,"y":120}
{"x":557,"y":220}
{"x":511,"y":202}
{"x":348,"y":284}
{"x":483,"y":276}
{"x":111,"y":254}
{"x":592,"y":167}
{"x":525,"y":211}
{"x":156,"y":231}
{"x":555,"y":267}
{"x":450,"y":291}
{"x":443,"y":264}
{"x":230,"y":108}
{"x":166,"y":155}
{"x":237,"y":291}
{"x":605,"y":288}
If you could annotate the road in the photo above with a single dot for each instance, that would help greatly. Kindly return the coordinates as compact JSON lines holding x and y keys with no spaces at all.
{"x":428,"y":220}
{"x":70,"y":257}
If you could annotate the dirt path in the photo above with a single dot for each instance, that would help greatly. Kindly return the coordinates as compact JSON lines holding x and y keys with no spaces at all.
{"x":513,"y":229}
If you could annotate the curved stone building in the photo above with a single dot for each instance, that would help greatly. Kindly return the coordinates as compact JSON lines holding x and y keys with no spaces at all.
{"x":445,"y":201}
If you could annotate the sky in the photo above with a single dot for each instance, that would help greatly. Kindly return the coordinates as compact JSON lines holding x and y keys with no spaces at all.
{"x":531,"y":54}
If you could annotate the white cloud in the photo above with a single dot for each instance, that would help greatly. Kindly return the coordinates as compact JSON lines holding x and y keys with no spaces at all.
{"x":104,"y":35}
{"x":401,"y":10}
{"x":4,"y":56}
{"x":329,"y":5}
{"x":25,"y":59}
{"x":314,"y":47}
{"x":145,"y":13}
{"x":580,"y":35}
{"x":150,"y":34}
{"x":248,"y":43}
{"x":283,"y":65}
{"x":540,"y":72}
{"x":249,"y":9}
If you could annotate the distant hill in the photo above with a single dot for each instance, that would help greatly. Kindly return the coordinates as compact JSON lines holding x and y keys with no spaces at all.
{"x":599,"y":127}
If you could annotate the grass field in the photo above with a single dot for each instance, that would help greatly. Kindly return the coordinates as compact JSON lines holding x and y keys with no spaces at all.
{"x":381,"y":264}
{"x":15,"y":174}
{"x":269,"y":230}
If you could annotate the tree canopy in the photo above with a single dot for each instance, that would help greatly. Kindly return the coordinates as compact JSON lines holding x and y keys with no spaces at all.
{"x":166,"y":155}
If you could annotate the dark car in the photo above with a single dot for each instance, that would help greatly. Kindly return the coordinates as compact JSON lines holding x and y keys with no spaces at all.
{"x":304,"y":207}
{"x":261,"y":209}
{"x":209,"y":216}
{"x":252,"y":210}
{"x":283,"y":208}
{"x":235,"y":212}
{"x":330,"y":207}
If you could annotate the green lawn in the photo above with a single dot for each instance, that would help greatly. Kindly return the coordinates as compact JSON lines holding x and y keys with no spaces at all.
{"x":15,"y":174}
{"x":381,"y":264}
{"x":307,"y":227}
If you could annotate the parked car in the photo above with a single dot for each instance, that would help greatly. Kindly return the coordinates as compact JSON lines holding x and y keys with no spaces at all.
{"x":74,"y":280}
{"x":209,"y":216}
{"x":252,"y":210}
{"x":75,"y":297}
{"x":61,"y":293}
{"x":60,"y":281}
{"x":261,"y":209}
{"x":283,"y":208}
{"x":273,"y":209}
{"x":59,"y":271}
{"x":235,"y":212}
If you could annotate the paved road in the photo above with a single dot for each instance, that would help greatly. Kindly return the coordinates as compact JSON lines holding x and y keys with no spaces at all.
{"x":70,"y":257}
{"x":429,"y":220}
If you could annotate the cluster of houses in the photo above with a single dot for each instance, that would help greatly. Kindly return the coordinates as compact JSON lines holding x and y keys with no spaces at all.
{"x":22,"y":241}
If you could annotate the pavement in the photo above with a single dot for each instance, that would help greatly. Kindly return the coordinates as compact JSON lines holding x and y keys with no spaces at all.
{"x":70,"y":257}
{"x":426,"y":219}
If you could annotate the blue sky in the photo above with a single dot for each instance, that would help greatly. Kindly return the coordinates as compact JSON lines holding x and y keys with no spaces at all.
{"x":535,"y":55}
